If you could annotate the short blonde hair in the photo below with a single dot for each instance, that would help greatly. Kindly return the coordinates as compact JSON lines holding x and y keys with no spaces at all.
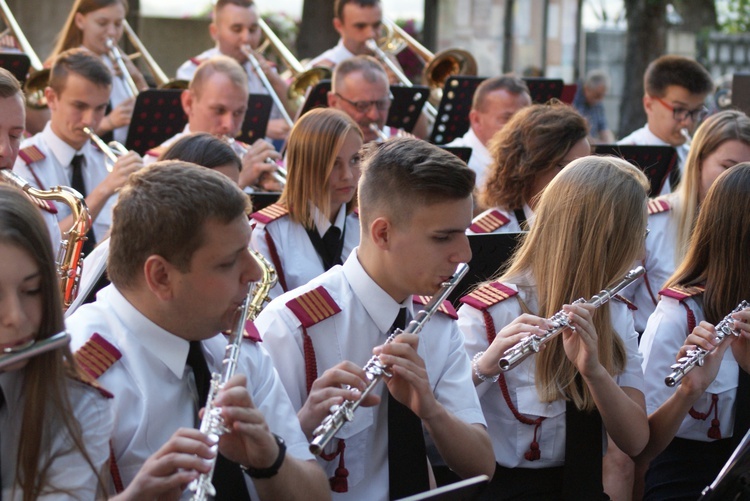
{"x":218,"y":64}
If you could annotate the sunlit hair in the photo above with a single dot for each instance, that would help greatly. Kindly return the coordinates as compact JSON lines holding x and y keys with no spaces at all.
{"x":534,"y":141}
{"x":716,"y":130}
{"x":338,"y":6}
{"x":402,"y":175}
{"x":163,"y":210}
{"x":220,"y":4}
{"x":71,"y":36}
{"x":82,"y":63}
{"x":589,"y":229}
{"x":218,"y":64}
{"x":314,"y":143}
{"x":370,"y":68}
{"x":719,"y":252}
{"x":509,"y":83}
{"x":9,"y":86}
{"x":203,"y":149}
{"x":47,"y":410}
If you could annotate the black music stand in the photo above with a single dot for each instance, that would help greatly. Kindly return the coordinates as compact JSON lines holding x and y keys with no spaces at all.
{"x":733,"y":481}
{"x":406,"y":106}
{"x":453,"y":111}
{"x":655,"y":161}
{"x":544,"y":89}
{"x":489,"y":253}
{"x":462,"y":152}
{"x":256,"y":119}
{"x":465,"y":490}
{"x":263,"y":199}
{"x":17,"y":64}
{"x":740,"y":93}
{"x":317,"y":97}
{"x":157,"y":116}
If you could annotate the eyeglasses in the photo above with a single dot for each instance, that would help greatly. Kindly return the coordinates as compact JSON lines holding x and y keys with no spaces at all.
{"x":364,"y":106}
{"x":681,"y":114}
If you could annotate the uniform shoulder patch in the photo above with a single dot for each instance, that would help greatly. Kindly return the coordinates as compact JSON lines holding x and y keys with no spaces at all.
{"x":196,"y":61}
{"x":658,"y":205}
{"x":96,"y":356}
{"x":93,"y":383}
{"x":680,"y":292}
{"x":313,"y":306}
{"x":31,"y":154}
{"x":627,"y":303}
{"x":157,"y":151}
{"x":489,"y":222}
{"x":270,"y":213}
{"x":487,"y":295}
{"x":445,"y":308}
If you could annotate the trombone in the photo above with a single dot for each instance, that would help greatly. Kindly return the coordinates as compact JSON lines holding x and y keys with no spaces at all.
{"x":248,"y":51}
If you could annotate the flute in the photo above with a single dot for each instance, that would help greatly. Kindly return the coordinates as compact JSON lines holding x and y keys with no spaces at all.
{"x":11,"y":356}
{"x":532,"y":343}
{"x":375,"y":370}
{"x":695,"y":356}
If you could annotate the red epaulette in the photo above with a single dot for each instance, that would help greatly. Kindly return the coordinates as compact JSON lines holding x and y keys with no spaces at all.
{"x":157,"y":152}
{"x":680,"y":292}
{"x":31,"y":154}
{"x":446,"y":308}
{"x":627,"y":303}
{"x":94,"y":384}
{"x":489,"y":222}
{"x":313,"y":306}
{"x":355,"y":211}
{"x":658,"y":205}
{"x":250,"y":332}
{"x":487,"y":295}
{"x":96,"y":356}
{"x":270,"y":213}
{"x":196,"y":61}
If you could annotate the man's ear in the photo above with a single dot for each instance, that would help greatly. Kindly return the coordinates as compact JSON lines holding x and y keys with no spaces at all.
{"x":186,"y":99}
{"x":213,"y":30}
{"x":159,"y":275}
{"x":381,"y":231}
{"x":338,"y":25}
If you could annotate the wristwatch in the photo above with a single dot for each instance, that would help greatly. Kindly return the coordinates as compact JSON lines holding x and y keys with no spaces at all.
{"x":274,"y":468}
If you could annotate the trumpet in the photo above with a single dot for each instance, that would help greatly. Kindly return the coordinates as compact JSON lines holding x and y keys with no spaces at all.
{"x":13,"y":355}
{"x":695,"y":357}
{"x":279,"y":174}
{"x":69,"y":262}
{"x":532,"y":343}
{"x":686,"y":135}
{"x":375,"y":370}
{"x":112,"y":150}
{"x":212,"y":423}
{"x":248,"y":51}
{"x":116,"y":56}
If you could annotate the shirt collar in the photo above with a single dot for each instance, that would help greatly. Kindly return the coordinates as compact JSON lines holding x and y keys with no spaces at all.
{"x":61,"y":150}
{"x":381,"y":307}
{"x":172,"y":350}
{"x":322,"y":224}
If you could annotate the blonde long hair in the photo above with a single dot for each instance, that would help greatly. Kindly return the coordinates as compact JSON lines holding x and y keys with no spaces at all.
{"x":70,"y":36}
{"x":588,"y":231}
{"x":314,"y":142}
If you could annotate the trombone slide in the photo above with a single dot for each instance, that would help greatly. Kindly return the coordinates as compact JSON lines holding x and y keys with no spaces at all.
{"x":264,"y":80}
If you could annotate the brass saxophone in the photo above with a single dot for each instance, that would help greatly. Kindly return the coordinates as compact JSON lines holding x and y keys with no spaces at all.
{"x":212,"y":423}
{"x":69,"y":259}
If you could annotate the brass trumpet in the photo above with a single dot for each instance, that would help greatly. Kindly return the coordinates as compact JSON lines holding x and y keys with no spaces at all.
{"x":112,"y":150}
{"x":279,"y":174}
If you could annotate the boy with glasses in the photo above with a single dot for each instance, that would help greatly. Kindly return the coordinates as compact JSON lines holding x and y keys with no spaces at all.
{"x":675,"y":88}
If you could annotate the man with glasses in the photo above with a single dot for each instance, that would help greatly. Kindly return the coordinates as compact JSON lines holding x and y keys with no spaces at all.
{"x":360,"y":89}
{"x":675,"y":89}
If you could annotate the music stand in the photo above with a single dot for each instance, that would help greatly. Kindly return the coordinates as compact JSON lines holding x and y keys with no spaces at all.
{"x":544,"y":89}
{"x":465,"y":490}
{"x":453,"y":111}
{"x":406,"y":106}
{"x":317,"y":97}
{"x":733,"y":481}
{"x":740,"y":94}
{"x":655,"y":161}
{"x":157,"y":116}
{"x":263,"y":199}
{"x":256,"y":118}
{"x":462,"y":152}
{"x":17,"y":64}
{"x":569,"y":93}
{"x":489,"y":253}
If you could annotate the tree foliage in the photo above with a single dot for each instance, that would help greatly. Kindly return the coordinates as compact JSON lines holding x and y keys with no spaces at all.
{"x":735,"y":15}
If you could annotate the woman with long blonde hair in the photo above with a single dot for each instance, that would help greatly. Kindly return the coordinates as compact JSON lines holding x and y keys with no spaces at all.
{"x":314,"y":226}
{"x":721,"y":142}
{"x":90,"y":24}
{"x":697,"y":424}
{"x":545,"y":416}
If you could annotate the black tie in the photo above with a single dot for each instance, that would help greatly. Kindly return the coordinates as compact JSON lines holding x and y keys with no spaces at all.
{"x":76,"y":182}
{"x":674,"y":176}
{"x":329,"y":247}
{"x":407,"y":455}
{"x":228,"y":478}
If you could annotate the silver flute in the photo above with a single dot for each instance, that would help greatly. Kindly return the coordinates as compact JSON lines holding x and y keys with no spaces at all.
{"x":375,"y":370}
{"x":13,"y":355}
{"x":212,"y":424}
{"x":532,"y":343}
{"x":694,"y":358}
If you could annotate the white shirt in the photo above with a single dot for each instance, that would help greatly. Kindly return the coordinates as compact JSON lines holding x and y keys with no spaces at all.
{"x":94,"y":267}
{"x":55,"y":170}
{"x":299,"y":260}
{"x":254,"y":83}
{"x":153,"y":397}
{"x":511,"y":438}
{"x":664,"y":336}
{"x":480,"y":158}
{"x":367,"y":314}
{"x":69,"y":470}
{"x":644,"y":137}
{"x":489,"y":217}
{"x":335,"y":55}
{"x":120,"y":93}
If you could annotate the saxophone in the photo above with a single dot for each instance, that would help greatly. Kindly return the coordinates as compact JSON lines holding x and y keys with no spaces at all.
{"x":69,"y":259}
{"x":212,"y":423}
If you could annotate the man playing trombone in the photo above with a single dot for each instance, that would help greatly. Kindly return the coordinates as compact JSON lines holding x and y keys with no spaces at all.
{"x":63,"y":155}
{"x":236,"y":32}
